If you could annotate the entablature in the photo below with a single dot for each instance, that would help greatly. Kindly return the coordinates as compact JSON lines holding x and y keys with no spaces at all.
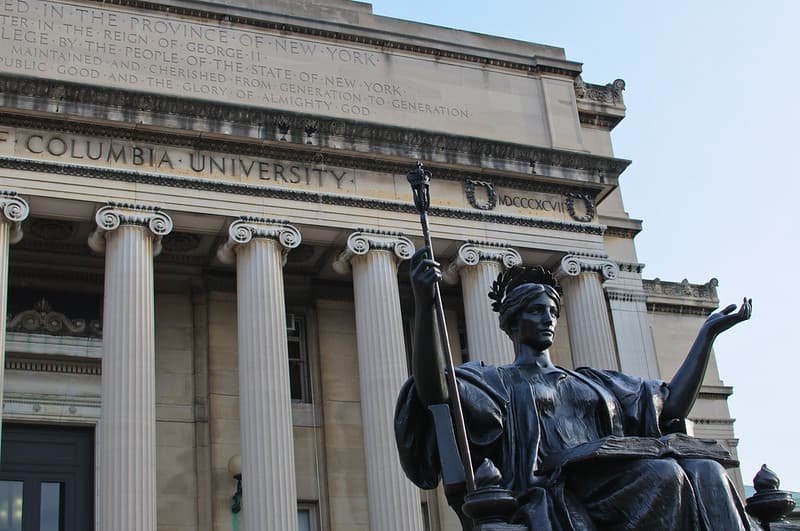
{"x":259,"y":75}
{"x":295,"y":171}
{"x":681,"y":297}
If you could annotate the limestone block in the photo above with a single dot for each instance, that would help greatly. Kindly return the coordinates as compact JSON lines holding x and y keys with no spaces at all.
{"x":306,"y":462}
{"x":224,"y":407}
{"x":175,"y":434}
{"x":174,"y":388}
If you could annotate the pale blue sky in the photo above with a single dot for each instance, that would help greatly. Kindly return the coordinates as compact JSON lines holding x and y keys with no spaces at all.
{"x":713,"y":106}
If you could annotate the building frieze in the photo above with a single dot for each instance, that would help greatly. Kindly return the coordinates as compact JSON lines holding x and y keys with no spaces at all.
{"x":291,"y":194}
{"x":305,"y":154}
{"x":253,"y":126}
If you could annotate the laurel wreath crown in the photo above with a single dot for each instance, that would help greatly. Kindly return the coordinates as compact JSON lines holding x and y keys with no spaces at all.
{"x":515,"y":276}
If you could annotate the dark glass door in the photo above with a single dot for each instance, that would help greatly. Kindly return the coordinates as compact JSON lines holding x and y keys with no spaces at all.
{"x":46,"y":478}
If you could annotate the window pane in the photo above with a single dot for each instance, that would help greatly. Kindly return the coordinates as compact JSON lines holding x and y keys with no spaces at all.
{"x":50,"y":508}
{"x":10,"y":506}
{"x":303,"y":520}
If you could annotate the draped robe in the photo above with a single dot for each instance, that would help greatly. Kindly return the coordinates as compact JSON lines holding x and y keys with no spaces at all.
{"x":523,"y":419}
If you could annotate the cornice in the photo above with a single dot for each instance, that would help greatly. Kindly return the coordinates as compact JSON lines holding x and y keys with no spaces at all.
{"x":254,"y":126}
{"x":683,"y":291}
{"x":289,"y":194}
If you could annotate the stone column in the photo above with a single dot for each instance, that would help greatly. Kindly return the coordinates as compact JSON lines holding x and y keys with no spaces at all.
{"x":590,"y":337}
{"x":478,"y":265}
{"x":627,"y":301}
{"x":393,"y":501}
{"x":13,"y":211}
{"x":130,"y":236}
{"x":259,"y":248}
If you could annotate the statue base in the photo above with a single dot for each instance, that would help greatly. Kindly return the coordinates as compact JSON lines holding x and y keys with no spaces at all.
{"x":491,"y":508}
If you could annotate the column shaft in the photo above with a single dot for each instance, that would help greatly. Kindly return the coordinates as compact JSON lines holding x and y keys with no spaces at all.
{"x":268,"y":474}
{"x":130,"y":235}
{"x":127,"y":436}
{"x":394,"y":503}
{"x":5,"y":231}
{"x":13,"y":211}
{"x":485,"y":339}
{"x":637,"y":355}
{"x":590,"y":338}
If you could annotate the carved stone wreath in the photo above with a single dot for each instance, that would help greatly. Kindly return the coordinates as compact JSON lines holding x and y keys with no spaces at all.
{"x":591,"y":211}
{"x":469,"y":188}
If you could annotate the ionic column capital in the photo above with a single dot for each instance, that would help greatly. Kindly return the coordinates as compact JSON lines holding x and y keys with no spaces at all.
{"x":363,"y":241}
{"x":114,"y":215}
{"x":245,"y":229}
{"x":471,"y":253}
{"x":14,"y":210}
{"x":573,"y":265}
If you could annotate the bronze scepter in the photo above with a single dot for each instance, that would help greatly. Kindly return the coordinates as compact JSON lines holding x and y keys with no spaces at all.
{"x":420,"y":179}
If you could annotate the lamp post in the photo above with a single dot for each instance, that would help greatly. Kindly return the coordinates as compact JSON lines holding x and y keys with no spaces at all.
{"x":235,"y":469}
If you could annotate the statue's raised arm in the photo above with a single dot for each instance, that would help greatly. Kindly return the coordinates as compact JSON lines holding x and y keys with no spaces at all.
{"x":685,"y":385}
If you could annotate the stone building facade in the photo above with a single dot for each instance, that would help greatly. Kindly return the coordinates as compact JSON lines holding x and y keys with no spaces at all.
{"x":205,"y":226}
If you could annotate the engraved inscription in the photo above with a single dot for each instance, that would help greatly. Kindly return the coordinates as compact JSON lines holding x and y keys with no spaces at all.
{"x":167,"y":159}
{"x":222,"y":61}
{"x":179,"y":161}
{"x":127,"y":50}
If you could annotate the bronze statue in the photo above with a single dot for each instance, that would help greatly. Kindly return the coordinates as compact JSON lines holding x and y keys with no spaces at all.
{"x":579,"y":449}
{"x":559,"y":449}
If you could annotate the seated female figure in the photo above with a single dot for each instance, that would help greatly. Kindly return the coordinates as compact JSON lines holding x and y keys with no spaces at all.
{"x":580,"y":449}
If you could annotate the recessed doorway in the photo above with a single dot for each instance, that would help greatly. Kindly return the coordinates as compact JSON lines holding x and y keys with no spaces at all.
{"x":47,"y":478}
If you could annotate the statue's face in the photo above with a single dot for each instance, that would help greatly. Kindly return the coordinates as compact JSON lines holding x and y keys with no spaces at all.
{"x":537,"y":322}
